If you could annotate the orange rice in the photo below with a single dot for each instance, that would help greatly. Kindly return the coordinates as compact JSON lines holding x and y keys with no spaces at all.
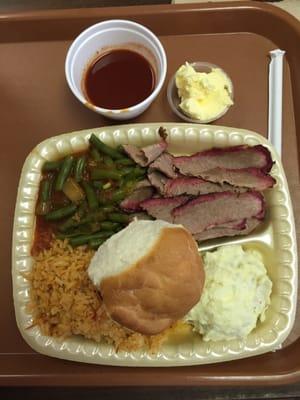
{"x":64,"y":302}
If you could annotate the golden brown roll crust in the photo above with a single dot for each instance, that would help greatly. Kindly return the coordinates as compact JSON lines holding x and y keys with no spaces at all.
{"x":160,"y":288}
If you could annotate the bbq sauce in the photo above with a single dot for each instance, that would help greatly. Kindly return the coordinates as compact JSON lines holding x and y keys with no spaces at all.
{"x":119,"y":79}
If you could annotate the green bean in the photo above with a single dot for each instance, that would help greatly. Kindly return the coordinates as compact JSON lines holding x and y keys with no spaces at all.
{"x":62,"y":236}
{"x":125,"y":161}
{"x":79,"y":168}
{"x":70,"y":223}
{"x":139,"y":171}
{"x":106,"y":174}
{"x":94,"y":216}
{"x":127,"y":170}
{"x":110,"y":226}
{"x":103,"y":148}
{"x":136,"y":173}
{"x":103,"y":234}
{"x":90,"y":195}
{"x":118,"y":195}
{"x":114,"y":197}
{"x":108,"y":161}
{"x":51,"y":166}
{"x":95,"y":243}
{"x":129,"y":185}
{"x":74,"y":220}
{"x":64,"y":172}
{"x":44,"y":204}
{"x":119,"y":217}
{"x":95,"y":154}
{"x":61,"y":213}
{"x":45,"y":191}
{"x":79,"y":240}
{"x":108,"y":209}
{"x":93,"y":227}
{"x":84,"y":239}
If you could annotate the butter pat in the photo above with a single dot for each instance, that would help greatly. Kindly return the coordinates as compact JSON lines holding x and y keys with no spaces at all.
{"x":236,"y":294}
{"x":204,"y":95}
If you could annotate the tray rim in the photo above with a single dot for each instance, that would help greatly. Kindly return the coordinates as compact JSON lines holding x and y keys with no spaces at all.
{"x":288,"y":375}
{"x":144,"y":10}
{"x":70,"y":13}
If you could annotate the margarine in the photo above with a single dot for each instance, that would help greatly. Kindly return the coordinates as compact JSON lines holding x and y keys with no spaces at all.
{"x":203,"y":96}
{"x":236,"y":294}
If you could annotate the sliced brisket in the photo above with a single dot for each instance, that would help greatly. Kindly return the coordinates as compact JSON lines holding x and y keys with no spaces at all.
{"x":218,"y":208}
{"x":193,"y":186}
{"x":164,"y":164}
{"x":252,"y":178}
{"x":221,"y":230}
{"x":147,"y":154}
{"x":140,"y":216}
{"x":143,"y":183}
{"x":158,"y":180}
{"x":161,"y":208}
{"x":236,"y":224}
{"x":185,"y":185}
{"x":234,"y":157}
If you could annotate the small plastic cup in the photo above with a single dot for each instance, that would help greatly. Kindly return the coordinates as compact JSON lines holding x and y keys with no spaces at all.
{"x":174,"y":99}
{"x":110,"y":35}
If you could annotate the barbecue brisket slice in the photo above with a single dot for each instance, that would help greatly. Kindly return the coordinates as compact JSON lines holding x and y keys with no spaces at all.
{"x":209,"y":210}
{"x":252,"y":178}
{"x":236,"y":224}
{"x":164,"y":164}
{"x":158,"y":180}
{"x":161,"y":208}
{"x":140,"y":215}
{"x":235,"y":157}
{"x":221,"y":230}
{"x":147,"y":154}
{"x":193,"y":186}
{"x":186,"y":185}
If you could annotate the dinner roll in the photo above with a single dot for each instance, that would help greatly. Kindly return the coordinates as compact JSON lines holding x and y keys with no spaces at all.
{"x":149,"y":275}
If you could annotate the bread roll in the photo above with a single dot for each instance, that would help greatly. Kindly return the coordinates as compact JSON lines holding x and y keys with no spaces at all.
{"x":155,"y":278}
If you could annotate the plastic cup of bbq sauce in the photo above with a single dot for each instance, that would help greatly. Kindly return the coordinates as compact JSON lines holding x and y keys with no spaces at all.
{"x":116,"y":68}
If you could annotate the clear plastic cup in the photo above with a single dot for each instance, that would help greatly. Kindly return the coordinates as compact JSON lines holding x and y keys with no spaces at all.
{"x":174,"y":99}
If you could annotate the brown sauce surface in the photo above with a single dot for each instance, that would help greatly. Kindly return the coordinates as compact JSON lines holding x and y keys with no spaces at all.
{"x":119,"y":79}
{"x":42,"y":236}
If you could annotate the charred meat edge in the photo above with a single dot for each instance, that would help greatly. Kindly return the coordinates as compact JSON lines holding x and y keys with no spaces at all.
{"x":213,"y":158}
{"x":145,"y":155}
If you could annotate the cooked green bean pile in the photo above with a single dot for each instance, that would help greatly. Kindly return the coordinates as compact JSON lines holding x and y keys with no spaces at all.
{"x":80,"y":194}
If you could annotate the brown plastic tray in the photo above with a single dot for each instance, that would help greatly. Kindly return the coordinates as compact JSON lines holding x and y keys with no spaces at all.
{"x":36,"y":103}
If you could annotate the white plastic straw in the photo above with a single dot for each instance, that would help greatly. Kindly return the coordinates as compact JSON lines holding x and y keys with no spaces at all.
{"x":275,"y":99}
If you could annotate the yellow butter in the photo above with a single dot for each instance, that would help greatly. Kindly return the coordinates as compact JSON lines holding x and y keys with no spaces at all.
{"x":203,"y":95}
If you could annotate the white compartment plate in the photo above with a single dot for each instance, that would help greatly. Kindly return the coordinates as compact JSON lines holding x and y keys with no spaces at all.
{"x":275,"y":238}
